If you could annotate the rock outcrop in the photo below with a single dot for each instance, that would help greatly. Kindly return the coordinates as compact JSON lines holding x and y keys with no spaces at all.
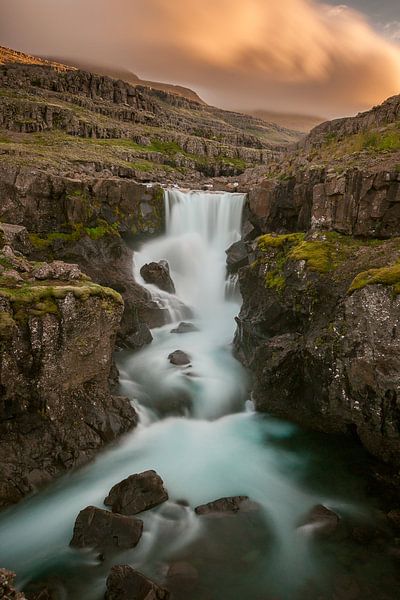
{"x":357,"y":203}
{"x":105,"y":531}
{"x":124,"y":583}
{"x":318,"y":328}
{"x":158,"y":274}
{"x":137,"y":493}
{"x":7,"y":589}
{"x":57,"y":336}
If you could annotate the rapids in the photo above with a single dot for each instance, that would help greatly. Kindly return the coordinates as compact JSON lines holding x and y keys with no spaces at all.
{"x":198,"y":431}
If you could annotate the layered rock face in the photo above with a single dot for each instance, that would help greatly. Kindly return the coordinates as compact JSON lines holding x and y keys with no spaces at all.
{"x":319,"y":330}
{"x":356,"y":203}
{"x":57,"y":335}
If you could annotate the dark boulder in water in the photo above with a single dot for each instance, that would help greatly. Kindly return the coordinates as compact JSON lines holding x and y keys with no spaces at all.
{"x":227,"y":506}
{"x":124,"y":583}
{"x":103,"y":530}
{"x":320,"y":521}
{"x":158,"y":274}
{"x":179,"y":358}
{"x":237,"y":256}
{"x":137,"y":493}
{"x":185,"y":328}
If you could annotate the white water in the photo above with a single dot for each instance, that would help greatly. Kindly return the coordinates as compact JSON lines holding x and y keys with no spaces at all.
{"x":195,"y":432}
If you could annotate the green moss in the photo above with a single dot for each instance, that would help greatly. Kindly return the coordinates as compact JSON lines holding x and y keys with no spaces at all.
{"x":275,"y":280}
{"x":36,"y":300}
{"x":278,"y":241}
{"x":7,"y":325}
{"x":41,"y":242}
{"x":389,"y":276}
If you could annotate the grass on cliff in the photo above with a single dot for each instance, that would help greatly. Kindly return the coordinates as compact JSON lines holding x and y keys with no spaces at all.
{"x":37,"y":300}
{"x":41,"y":242}
{"x":323,"y":254}
{"x":389,"y":276}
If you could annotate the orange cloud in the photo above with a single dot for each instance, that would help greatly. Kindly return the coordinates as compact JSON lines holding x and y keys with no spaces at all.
{"x":293,"y":54}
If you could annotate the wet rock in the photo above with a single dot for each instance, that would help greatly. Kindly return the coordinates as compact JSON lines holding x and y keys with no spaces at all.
{"x":237,"y":257}
{"x":185,"y":328}
{"x":158,"y":274}
{"x":105,"y":531}
{"x":140,"y":338}
{"x":51,"y":588}
{"x":137,"y":493}
{"x":179,"y":358}
{"x":7,"y":589}
{"x":320,"y":521}
{"x":227,"y":506}
{"x":124,"y":583}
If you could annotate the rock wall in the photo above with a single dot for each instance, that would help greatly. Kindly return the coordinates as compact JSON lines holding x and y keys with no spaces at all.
{"x":357,"y":203}
{"x":319,"y":331}
{"x":57,"y":336}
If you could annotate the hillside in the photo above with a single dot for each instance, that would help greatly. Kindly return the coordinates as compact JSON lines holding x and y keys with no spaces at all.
{"x":131,"y":78}
{"x":77,"y":122}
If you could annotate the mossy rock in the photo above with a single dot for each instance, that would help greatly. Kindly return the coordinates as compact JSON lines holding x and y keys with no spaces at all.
{"x":389,"y":276}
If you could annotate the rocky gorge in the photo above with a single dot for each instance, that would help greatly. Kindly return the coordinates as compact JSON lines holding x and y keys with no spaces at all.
{"x":115,"y":317}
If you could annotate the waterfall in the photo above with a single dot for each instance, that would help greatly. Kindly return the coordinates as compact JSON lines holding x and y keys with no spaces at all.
{"x":200,"y":226}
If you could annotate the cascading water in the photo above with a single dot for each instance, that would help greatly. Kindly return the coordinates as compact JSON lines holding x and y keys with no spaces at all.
{"x":197,"y":436}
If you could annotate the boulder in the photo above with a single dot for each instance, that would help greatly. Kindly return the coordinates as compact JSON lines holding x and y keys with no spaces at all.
{"x":137,"y":493}
{"x":58,"y":270}
{"x":185,"y":328}
{"x":124,"y":583}
{"x":237,"y":257}
{"x":158,"y":274}
{"x":105,"y":531}
{"x":320,"y":521}
{"x":227,"y":506}
{"x":179,"y":358}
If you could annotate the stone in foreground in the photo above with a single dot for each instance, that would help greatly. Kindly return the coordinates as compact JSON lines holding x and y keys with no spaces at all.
{"x":101,"y":529}
{"x":185,"y":328}
{"x":179,"y":358}
{"x":227,"y":506}
{"x":7,"y":590}
{"x":320,"y":521}
{"x":137,"y":493}
{"x":158,"y":274}
{"x":124,"y":583}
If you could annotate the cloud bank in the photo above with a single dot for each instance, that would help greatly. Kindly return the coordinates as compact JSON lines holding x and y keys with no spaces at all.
{"x":286,"y":54}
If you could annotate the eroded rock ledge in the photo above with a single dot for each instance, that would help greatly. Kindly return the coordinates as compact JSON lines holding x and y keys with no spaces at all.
{"x":57,"y":335}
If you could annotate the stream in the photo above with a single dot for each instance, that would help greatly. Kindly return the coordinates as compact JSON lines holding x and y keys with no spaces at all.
{"x":199,"y":432}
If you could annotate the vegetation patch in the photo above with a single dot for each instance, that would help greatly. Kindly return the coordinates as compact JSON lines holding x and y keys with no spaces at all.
{"x":389,"y":276}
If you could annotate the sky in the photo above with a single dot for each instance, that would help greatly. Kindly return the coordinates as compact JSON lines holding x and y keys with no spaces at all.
{"x":302,"y":56}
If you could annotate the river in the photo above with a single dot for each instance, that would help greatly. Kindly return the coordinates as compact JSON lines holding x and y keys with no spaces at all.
{"x":199,"y":432}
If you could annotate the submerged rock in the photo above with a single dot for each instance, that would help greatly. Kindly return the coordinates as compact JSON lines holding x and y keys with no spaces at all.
{"x":179,"y":358}
{"x":124,"y":583}
{"x":185,"y":328}
{"x":103,"y":530}
{"x":137,"y":493}
{"x":320,"y":521}
{"x":158,"y":274}
{"x":227,"y":506}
